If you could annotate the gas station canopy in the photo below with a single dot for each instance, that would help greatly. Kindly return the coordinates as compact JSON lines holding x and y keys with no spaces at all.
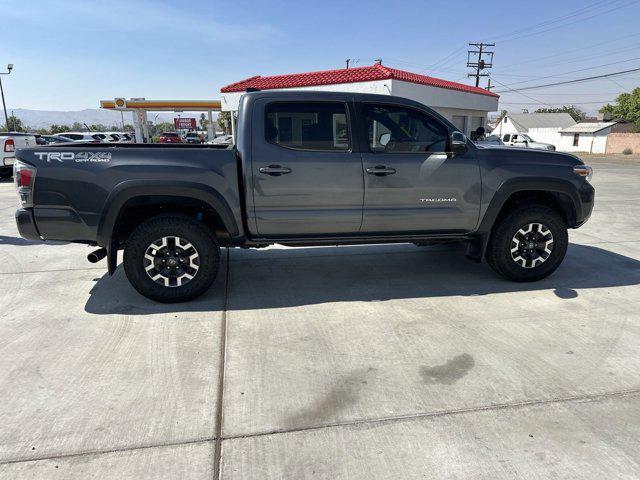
{"x":140,"y":106}
{"x":161,"y":105}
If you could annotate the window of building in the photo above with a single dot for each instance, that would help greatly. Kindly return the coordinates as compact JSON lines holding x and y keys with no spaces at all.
{"x":394,"y":129}
{"x":308,"y":126}
{"x":576,"y":139}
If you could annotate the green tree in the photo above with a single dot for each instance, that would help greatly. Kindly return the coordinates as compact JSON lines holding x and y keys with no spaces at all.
{"x":98,"y":127}
{"x":204,"y":122}
{"x":78,"y":127}
{"x":15,"y":125}
{"x":224,"y":122}
{"x":58,"y":129}
{"x":627,"y":106}
{"x":576,"y":113}
{"x":158,"y":128}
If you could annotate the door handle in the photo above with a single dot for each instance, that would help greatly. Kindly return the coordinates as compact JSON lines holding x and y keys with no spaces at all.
{"x":275,"y":170}
{"x":381,"y":170}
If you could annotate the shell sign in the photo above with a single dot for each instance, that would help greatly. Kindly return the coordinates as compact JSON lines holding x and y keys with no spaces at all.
{"x":120,"y":103}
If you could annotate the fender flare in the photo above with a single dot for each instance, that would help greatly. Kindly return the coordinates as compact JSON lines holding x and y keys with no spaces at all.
{"x":478,"y":247}
{"x":129,"y":189}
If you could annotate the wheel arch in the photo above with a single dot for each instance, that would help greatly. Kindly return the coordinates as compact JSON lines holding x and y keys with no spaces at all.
{"x":174,"y":197}
{"x":560,"y":195}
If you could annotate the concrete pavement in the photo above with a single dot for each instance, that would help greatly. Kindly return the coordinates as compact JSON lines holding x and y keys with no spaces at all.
{"x":388,"y":361}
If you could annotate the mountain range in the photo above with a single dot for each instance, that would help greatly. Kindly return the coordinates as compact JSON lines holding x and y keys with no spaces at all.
{"x":91,"y":116}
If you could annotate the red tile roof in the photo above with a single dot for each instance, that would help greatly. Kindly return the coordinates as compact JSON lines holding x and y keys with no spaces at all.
{"x":348,"y":75}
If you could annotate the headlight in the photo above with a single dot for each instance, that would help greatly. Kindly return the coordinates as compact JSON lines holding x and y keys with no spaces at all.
{"x":584,"y":171}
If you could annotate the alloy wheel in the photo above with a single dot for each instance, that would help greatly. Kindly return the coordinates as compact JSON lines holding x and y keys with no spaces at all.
{"x":171,"y":261}
{"x":532,"y":245}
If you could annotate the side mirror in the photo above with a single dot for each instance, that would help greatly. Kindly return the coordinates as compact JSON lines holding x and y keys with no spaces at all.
{"x":384,"y":139}
{"x":458,"y":143}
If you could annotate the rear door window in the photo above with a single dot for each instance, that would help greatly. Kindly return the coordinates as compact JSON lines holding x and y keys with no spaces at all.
{"x":320,"y":126}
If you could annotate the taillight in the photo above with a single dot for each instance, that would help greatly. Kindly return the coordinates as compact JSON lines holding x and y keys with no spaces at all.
{"x":24,"y":176}
{"x":9,"y":145}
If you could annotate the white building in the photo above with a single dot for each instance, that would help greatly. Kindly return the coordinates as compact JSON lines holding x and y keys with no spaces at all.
{"x":464,"y":105}
{"x":541,"y":127}
{"x":590,"y":137}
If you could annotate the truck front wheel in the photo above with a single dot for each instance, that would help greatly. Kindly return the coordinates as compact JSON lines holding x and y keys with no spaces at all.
{"x":171,"y":258}
{"x":528,"y":243}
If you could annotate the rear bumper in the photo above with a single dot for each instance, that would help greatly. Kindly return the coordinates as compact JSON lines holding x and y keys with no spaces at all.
{"x":27,"y":225}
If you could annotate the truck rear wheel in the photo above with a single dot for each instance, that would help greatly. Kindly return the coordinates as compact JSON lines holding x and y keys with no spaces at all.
{"x":528,"y":244}
{"x":171,"y":258}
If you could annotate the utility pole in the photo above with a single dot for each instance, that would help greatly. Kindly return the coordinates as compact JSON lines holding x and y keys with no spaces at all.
{"x":4,"y":107}
{"x":489,"y":86}
{"x":479,"y":63}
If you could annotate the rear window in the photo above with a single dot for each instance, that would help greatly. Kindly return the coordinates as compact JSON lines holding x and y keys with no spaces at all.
{"x":308,"y":126}
{"x":169,"y":134}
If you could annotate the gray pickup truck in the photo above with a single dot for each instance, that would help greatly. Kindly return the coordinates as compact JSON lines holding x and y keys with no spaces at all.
{"x":309,"y":168}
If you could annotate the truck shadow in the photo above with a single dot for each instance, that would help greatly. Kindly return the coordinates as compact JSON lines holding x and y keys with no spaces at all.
{"x":281,"y":278}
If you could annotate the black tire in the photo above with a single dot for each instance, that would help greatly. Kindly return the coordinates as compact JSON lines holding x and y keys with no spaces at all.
{"x":167,"y":226}
{"x":525,"y":268}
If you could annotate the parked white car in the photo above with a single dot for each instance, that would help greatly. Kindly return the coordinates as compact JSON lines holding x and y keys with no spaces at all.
{"x":9,"y":142}
{"x":490,"y":141}
{"x":119,"y":137}
{"x":222,"y":140}
{"x":84,"y":136}
{"x":522,"y":140}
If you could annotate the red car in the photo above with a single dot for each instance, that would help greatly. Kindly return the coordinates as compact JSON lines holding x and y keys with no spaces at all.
{"x":169,"y":137}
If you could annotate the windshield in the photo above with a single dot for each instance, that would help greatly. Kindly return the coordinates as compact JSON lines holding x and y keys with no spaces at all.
{"x":527,"y":138}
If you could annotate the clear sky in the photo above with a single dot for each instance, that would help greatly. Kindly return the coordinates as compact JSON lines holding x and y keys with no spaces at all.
{"x":70,"y":54}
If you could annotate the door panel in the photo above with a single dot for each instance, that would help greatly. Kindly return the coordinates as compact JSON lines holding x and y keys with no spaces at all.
{"x":422,"y":191}
{"x":306,"y":180}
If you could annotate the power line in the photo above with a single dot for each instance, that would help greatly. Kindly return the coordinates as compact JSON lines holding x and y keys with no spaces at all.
{"x":577,"y":80}
{"x":599,"y":13}
{"x":575,"y":71}
{"x":552,"y":20}
{"x":579,"y":49}
{"x":445,"y":60}
{"x":524,"y":94}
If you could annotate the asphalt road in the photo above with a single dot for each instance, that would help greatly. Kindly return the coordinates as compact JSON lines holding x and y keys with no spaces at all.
{"x":344,"y":362}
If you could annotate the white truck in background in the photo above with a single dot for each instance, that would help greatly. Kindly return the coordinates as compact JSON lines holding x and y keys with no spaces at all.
{"x":9,"y":143}
{"x":522,"y":140}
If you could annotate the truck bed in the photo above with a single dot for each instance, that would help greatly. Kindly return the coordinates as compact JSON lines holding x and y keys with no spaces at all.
{"x":78,"y":186}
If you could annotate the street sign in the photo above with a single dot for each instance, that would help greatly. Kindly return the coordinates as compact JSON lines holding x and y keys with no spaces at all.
{"x":182,"y":123}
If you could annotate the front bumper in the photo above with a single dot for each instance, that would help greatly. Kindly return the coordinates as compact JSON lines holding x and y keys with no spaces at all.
{"x":26,"y":224}
{"x":587,"y":197}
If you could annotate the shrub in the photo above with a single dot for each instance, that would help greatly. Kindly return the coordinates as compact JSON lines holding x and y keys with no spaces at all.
{"x":627,"y":151}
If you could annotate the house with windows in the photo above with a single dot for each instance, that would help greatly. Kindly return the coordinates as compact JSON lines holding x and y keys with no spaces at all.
{"x":464,"y":105}
{"x":541,"y":127}
{"x":589,"y":137}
